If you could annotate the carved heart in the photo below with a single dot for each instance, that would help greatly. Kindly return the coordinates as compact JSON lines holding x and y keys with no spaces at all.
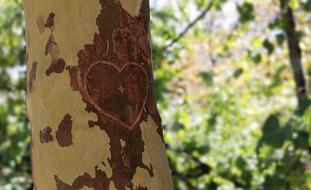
{"x":118,"y":93}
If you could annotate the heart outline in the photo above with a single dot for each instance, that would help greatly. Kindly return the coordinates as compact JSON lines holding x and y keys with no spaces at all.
{"x":119,"y":70}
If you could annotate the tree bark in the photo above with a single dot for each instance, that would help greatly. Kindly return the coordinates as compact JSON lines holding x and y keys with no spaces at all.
{"x":90,"y":97}
{"x":294,"y":53}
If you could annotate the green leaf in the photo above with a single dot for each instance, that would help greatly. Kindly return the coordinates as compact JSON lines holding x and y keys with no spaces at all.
{"x":269,"y":46}
{"x":302,"y":140}
{"x":280,"y":38}
{"x":272,"y":134}
{"x":207,"y":77}
{"x":246,"y":11}
{"x":237,"y":73}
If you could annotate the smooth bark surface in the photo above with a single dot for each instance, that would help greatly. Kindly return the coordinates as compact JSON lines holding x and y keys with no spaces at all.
{"x":90,"y":96}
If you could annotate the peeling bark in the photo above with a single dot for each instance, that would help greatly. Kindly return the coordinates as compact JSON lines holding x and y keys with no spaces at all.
{"x":45,"y":135}
{"x":105,"y":97}
{"x":63,"y":133}
{"x":50,"y":21}
{"x":100,"y":182}
{"x":57,"y":66}
{"x":32,"y":75}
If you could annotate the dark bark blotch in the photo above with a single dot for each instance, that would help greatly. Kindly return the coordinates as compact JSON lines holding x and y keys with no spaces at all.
{"x":32,"y":75}
{"x":63,"y":133}
{"x":45,"y":135}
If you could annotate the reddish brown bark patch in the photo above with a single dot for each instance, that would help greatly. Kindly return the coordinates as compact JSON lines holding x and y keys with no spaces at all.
{"x":51,"y":43}
{"x":122,"y":40}
{"x":118,"y":93}
{"x":32,"y":75}
{"x":50,"y":21}
{"x":74,"y":75}
{"x":63,"y":133}
{"x":57,"y":66}
{"x":100,"y":182}
{"x":114,"y":78}
{"x":45,"y":135}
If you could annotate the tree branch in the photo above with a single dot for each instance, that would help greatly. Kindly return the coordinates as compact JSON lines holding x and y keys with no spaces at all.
{"x":294,"y":52}
{"x":191,"y":24}
{"x":203,"y":167}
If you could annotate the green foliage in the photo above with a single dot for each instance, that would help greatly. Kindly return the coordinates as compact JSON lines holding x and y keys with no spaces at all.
{"x":207,"y":77}
{"x":14,"y":129}
{"x":307,"y":5}
{"x":269,"y":46}
{"x":227,"y":109}
{"x":225,"y":91}
{"x":246,"y":11}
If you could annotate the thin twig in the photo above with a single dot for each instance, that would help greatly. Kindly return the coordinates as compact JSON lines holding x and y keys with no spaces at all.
{"x":205,"y":168}
{"x":191,"y":24}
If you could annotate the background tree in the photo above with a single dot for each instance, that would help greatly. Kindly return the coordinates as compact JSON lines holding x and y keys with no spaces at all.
{"x":293,"y":41}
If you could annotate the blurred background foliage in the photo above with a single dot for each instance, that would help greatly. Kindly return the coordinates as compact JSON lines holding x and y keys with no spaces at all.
{"x":234,"y":116}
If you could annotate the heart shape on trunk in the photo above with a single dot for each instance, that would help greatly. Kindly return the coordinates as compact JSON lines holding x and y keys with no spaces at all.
{"x":120,"y":94}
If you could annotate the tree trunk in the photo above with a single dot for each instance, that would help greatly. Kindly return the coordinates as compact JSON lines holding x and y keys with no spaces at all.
{"x":294,"y":53}
{"x":90,"y":96}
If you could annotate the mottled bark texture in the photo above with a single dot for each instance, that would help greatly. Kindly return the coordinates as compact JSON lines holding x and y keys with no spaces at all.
{"x":294,"y":53}
{"x":90,"y":96}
